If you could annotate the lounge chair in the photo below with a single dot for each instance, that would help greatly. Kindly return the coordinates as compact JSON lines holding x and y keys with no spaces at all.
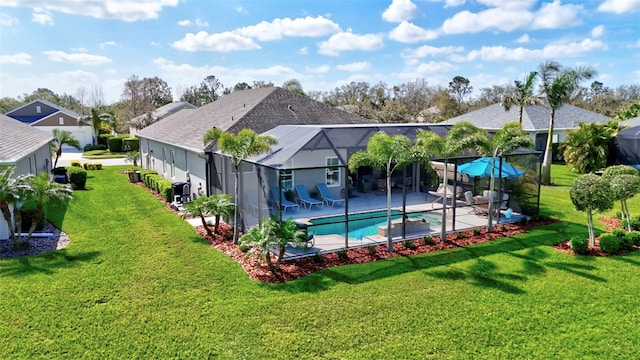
{"x":306,"y":199}
{"x":326,"y":195}
{"x":439,"y":194}
{"x":280,"y":199}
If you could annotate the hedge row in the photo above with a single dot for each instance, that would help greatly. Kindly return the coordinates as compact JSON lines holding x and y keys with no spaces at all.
{"x":157,"y":183}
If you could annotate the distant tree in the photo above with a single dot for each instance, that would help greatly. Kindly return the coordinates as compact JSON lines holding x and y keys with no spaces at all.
{"x":492,"y":95}
{"x":210,"y":89}
{"x":145,"y":95}
{"x":62,"y":137}
{"x":239,"y":147}
{"x":97,"y":120}
{"x":523,"y":95}
{"x":591,"y":193}
{"x":625,"y":184}
{"x":42,"y":93}
{"x":460,"y":87}
{"x":82,"y":94}
{"x":587,"y":147}
{"x":446,"y":105}
{"x":557,"y":84}
{"x":97,"y":96}
{"x":8,"y":103}
{"x":294,"y":86}
{"x":412,"y":99}
{"x":241,"y":86}
{"x":258,"y":84}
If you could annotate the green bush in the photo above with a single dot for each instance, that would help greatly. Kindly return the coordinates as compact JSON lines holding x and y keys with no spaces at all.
{"x":131,"y":144}
{"x":619,"y":232}
{"x":115,"y":144}
{"x":90,"y":147}
{"x":371,"y":249}
{"x":634,"y":236}
{"x":318,"y":258}
{"x":145,"y":173}
{"x":77,"y":177}
{"x":165,"y":188}
{"x":409,"y":244}
{"x":342,"y":254}
{"x":635,"y":223}
{"x":428,"y":240}
{"x":76,"y":163}
{"x":580,"y":245}
{"x":103,"y":139}
{"x":476,"y":232}
{"x":609,"y":243}
{"x":93,"y":166}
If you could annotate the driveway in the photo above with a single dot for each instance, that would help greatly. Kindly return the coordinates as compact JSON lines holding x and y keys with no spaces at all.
{"x":69,"y":155}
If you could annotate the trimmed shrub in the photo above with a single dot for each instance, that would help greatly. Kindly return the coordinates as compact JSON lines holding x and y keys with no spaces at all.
{"x":619,"y":232}
{"x":131,"y":144}
{"x":342,"y":254}
{"x":145,"y":173}
{"x":609,"y":243}
{"x":76,"y":163}
{"x":409,"y":244}
{"x":115,"y":144}
{"x":103,"y":139}
{"x":93,"y":166}
{"x":635,"y":223}
{"x":77,"y":177}
{"x":90,"y":147}
{"x":428,"y":240}
{"x":634,"y":236}
{"x":580,"y":245}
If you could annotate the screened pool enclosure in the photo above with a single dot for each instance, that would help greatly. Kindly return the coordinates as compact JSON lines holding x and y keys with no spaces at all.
{"x":305,"y":177}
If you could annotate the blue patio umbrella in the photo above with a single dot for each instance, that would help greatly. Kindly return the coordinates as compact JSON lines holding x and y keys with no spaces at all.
{"x":482,"y":167}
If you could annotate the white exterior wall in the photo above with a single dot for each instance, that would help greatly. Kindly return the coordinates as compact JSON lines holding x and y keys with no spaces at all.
{"x":84,"y":134}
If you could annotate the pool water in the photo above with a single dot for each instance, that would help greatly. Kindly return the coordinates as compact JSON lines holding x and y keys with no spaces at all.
{"x":362,"y":224}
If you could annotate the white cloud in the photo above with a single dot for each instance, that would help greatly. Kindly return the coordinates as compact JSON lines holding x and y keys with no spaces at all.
{"x":8,"y":20}
{"x":597,"y":31}
{"x":125,"y":10}
{"x":620,"y":6}
{"x":303,"y":50}
{"x":400,"y":10}
{"x":509,"y":4}
{"x":155,"y":44}
{"x":221,"y":42}
{"x":202,"y":23}
{"x":322,"y":69}
{"x":556,"y":16}
{"x":185,"y":22}
{"x":42,"y":17}
{"x":18,"y":59}
{"x":83,"y":59}
{"x":239,"y":9}
{"x":354,"y":67}
{"x":426,"y":51}
{"x":347,"y":41}
{"x":523,"y":39}
{"x":80,"y":49}
{"x":554,"y":50}
{"x":435,"y":67}
{"x":107,"y":43}
{"x":275,"y":30}
{"x":453,"y":3}
{"x":407,"y":32}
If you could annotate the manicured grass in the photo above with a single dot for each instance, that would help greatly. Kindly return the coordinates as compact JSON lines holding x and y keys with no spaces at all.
{"x":137,"y":282}
{"x":102,"y":154}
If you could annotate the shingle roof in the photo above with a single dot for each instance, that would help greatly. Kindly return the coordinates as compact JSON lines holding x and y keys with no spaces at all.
{"x":36,"y":117}
{"x":534,"y":118}
{"x":161,"y":112}
{"x":257,"y":109}
{"x":18,"y":140}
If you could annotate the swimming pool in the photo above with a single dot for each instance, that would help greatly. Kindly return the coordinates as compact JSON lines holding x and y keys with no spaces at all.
{"x":364,"y":224}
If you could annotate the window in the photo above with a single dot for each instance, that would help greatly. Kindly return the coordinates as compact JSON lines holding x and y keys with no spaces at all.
{"x":332,"y":175}
{"x":164,"y":161}
{"x":173,"y":164}
{"x":61,"y":120}
{"x":38,"y":109}
{"x":286,"y":179}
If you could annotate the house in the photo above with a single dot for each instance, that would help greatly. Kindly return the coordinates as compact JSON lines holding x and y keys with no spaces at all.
{"x":535,"y":120}
{"x":25,"y":147}
{"x":173,"y":145}
{"x":47,"y":116}
{"x":627,"y":143}
{"x":151,"y":117}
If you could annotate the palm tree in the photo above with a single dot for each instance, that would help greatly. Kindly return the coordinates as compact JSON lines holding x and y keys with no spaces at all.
{"x":220,"y":205}
{"x":239,"y":147}
{"x":271,"y":234}
{"x":133,"y":156}
{"x":42,"y":191}
{"x":11,"y":188}
{"x":62,"y":137}
{"x":558,"y":84}
{"x":586,"y":148}
{"x":96,"y":120}
{"x":387,"y":153}
{"x":450,"y":145}
{"x":509,"y":138}
{"x":524,"y":95}
{"x":198,"y":208}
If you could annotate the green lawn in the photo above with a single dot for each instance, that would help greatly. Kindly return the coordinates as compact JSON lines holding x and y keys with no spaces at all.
{"x":137,"y":282}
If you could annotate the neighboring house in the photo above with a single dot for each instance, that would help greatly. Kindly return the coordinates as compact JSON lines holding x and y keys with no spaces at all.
{"x":151,"y":117}
{"x":627,"y":143}
{"x":535,"y":120}
{"x":26,"y":148}
{"x":47,"y":116}
{"x":173,"y":146}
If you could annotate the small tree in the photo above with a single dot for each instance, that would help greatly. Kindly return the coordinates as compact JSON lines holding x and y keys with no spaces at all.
{"x":220,"y":205}
{"x":43,"y":191}
{"x":271,"y":234}
{"x":591,"y":193}
{"x":625,"y":184}
{"x":239,"y":147}
{"x":386,"y":153}
{"x":62,"y":137}
{"x":133,"y":156}
{"x":523,"y":96}
{"x":11,"y":188}
{"x":587,"y":147}
{"x":198,"y":208}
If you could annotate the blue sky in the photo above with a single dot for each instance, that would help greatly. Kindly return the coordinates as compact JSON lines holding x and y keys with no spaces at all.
{"x":65,"y":44}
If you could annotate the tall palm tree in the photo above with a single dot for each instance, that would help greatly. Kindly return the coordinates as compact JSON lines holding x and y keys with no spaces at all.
{"x":445,"y":148}
{"x":524,"y":95}
{"x":62,"y":137}
{"x":43,"y":191}
{"x":509,"y":138}
{"x":558,"y":84}
{"x":388,"y":153}
{"x":11,"y":188}
{"x":239,"y":147}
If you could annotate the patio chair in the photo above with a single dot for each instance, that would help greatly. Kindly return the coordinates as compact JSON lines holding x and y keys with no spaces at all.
{"x":439,"y":194}
{"x":306,"y":199}
{"x":282,"y":201}
{"x":326,"y":195}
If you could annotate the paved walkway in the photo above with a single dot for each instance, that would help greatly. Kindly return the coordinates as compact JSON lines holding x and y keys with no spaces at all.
{"x":69,"y":155}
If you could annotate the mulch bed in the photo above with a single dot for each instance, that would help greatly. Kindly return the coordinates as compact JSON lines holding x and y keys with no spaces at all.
{"x":610,"y":223}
